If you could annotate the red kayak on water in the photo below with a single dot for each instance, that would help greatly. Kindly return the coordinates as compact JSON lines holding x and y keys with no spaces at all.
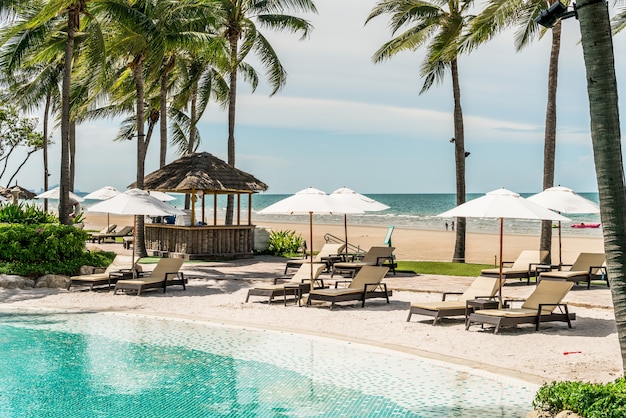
{"x":584,"y":225}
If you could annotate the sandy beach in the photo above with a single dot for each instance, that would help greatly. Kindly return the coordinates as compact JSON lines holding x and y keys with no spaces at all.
{"x":411,"y":244}
{"x":217,"y":292}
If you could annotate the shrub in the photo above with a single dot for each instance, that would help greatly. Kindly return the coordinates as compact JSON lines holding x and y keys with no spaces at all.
{"x":284,"y":242}
{"x":25,"y":214}
{"x":589,"y":400}
{"x":66,"y":267}
{"x":43,"y":248}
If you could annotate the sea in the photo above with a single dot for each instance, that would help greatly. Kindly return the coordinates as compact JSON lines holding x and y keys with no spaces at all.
{"x":411,"y":210}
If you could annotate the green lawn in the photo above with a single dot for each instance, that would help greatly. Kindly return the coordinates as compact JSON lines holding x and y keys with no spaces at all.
{"x":442,"y":267}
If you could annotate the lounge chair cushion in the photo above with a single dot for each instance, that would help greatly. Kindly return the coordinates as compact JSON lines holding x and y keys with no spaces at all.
{"x":375,"y":256}
{"x":166,"y":268}
{"x":508,"y":313}
{"x":120,"y":262}
{"x":440,"y":305}
{"x":368,"y":278}
{"x":521,"y":265}
{"x":302,"y":278}
{"x":548,"y":291}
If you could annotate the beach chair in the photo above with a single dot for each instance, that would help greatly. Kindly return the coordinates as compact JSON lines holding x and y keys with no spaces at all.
{"x":120,"y":267}
{"x":375,"y":256}
{"x":539,"y":307}
{"x":328,"y":253}
{"x":165,"y":273}
{"x":586,"y":267}
{"x":524,"y":267}
{"x":481,"y":288}
{"x":106,"y":230}
{"x":300,"y":281}
{"x":365,"y":285}
{"x":125,"y":231}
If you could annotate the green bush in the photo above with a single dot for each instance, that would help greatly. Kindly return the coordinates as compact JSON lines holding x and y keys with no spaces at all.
{"x":25,"y":214}
{"x":590,"y":400}
{"x":284,"y":242}
{"x":38,"y":249}
{"x":66,"y":267}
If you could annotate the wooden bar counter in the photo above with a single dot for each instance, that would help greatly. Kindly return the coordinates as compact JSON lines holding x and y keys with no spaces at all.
{"x":201,"y":242}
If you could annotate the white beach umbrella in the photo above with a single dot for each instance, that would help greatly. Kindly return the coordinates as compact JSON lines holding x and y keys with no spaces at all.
{"x":163,"y":197}
{"x":308,"y":202}
{"x":54,"y":194}
{"x":103,"y":193}
{"x":502,"y":203}
{"x":135,"y":202}
{"x":564,"y":200}
{"x":358,"y":200}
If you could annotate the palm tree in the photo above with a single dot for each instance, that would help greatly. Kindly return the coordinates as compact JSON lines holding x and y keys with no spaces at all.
{"x":46,"y":12}
{"x":503,"y":14}
{"x":30,"y":81}
{"x":139,"y":38}
{"x":597,"y":45}
{"x":243,"y":36}
{"x":201,"y":81}
{"x":441,"y":23}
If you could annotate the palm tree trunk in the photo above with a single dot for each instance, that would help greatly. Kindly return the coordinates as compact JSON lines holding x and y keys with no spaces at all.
{"x":64,"y":181}
{"x":459,"y":159}
{"x":72,"y":154}
{"x":232,"y":100}
{"x":163,"y":120}
{"x":597,"y":45}
{"x":139,"y":241}
{"x":549,"y":146}
{"x":46,"y":116}
{"x":193,"y":120}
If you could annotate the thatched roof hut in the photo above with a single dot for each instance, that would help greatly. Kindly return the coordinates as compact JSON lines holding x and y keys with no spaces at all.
{"x":202,"y":172}
{"x":22,"y":193}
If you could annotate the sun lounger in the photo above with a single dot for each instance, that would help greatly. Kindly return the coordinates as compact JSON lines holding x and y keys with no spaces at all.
{"x":166,"y":273}
{"x":365,"y":285}
{"x":106,"y":230}
{"x":539,"y":307}
{"x":524,"y":267}
{"x":119,"y":268}
{"x":586,"y":267}
{"x":327,"y":252}
{"x":375,"y":256}
{"x":300,"y":281}
{"x":125,"y":231}
{"x":481,"y":288}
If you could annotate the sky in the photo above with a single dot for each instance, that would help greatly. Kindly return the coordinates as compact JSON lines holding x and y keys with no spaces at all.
{"x":343,"y":121}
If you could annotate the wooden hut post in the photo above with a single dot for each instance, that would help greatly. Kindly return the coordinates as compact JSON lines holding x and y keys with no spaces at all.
{"x":193,"y":206}
{"x":203,"y":216}
{"x":249,"y":208}
{"x":215,"y":208}
{"x":238,"y":208}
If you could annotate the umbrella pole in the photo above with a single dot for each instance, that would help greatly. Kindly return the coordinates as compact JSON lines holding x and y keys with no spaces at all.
{"x":500,"y":263}
{"x":345,"y":228}
{"x":132,"y":260}
{"x":560,"y":259}
{"x":311,"y":249}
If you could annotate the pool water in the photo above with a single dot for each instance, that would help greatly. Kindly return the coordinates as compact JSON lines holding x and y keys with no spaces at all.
{"x":116,"y":365}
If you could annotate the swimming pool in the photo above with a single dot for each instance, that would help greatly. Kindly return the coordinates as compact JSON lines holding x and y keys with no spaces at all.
{"x":83,"y":364}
